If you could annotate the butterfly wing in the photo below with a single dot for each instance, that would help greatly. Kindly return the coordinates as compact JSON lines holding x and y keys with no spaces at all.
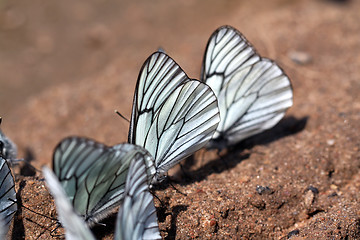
{"x":75,"y":226}
{"x":93,"y":175}
{"x":253,"y":92}
{"x":137,"y":216}
{"x":115,"y":194}
{"x":158,"y":78}
{"x":8,"y":205}
{"x":173,"y":116}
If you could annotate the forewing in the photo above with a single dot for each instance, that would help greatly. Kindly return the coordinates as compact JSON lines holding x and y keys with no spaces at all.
{"x":8,"y":204}
{"x":253,"y":92}
{"x":158,"y":78}
{"x":75,"y":226}
{"x":226,"y":53}
{"x":72,"y":160}
{"x":137,"y":216}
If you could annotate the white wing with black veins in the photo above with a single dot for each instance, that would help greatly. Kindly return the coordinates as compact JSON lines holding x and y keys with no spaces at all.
{"x":172,"y":116}
{"x":253,"y":92}
{"x":93,"y":175}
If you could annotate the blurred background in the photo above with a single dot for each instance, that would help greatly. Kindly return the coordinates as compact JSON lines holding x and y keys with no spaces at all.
{"x":44,"y":43}
{"x":65,"y":66}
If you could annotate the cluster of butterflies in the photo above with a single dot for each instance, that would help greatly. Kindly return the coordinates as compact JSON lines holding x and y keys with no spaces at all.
{"x":240,"y":94}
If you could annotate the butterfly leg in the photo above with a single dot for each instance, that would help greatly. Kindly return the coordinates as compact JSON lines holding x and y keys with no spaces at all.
{"x":172,"y":185}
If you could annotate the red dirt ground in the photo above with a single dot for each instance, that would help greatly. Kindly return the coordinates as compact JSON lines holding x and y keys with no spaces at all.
{"x":65,"y":67}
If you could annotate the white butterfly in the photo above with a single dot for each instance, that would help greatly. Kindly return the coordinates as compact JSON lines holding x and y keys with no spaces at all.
{"x":137,"y":215}
{"x":253,"y":92}
{"x":172,"y":116}
{"x":8,"y":205}
{"x":93,"y":175}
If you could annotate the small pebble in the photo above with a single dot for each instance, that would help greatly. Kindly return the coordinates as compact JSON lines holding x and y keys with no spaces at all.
{"x":309,"y":199}
{"x":299,"y":57}
{"x":293,"y":233}
{"x":313,"y":189}
{"x":263,"y":190}
{"x":334,"y":194}
{"x":330,"y":142}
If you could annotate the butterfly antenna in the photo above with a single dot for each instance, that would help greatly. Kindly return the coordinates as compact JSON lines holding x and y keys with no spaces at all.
{"x":33,"y":211}
{"x":43,"y":215}
{"x":46,"y":228}
{"x":122,"y":116}
{"x":161,"y":202}
{"x":170,"y":183}
{"x":177,"y":189}
{"x":30,"y":220}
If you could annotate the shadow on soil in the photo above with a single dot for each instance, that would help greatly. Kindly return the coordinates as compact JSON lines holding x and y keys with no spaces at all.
{"x":233,"y":156}
{"x":237,"y":153}
{"x":18,"y":225}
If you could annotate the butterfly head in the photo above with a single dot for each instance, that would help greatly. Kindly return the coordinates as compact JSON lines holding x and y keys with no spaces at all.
{"x":7,"y":147}
{"x":158,"y":177}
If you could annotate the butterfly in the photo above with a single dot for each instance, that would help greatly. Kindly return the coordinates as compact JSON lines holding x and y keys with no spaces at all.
{"x":136,"y":218}
{"x":8,"y":149}
{"x":253,"y":92}
{"x":93,"y":175}
{"x":8,"y":205}
{"x":173,"y":116}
